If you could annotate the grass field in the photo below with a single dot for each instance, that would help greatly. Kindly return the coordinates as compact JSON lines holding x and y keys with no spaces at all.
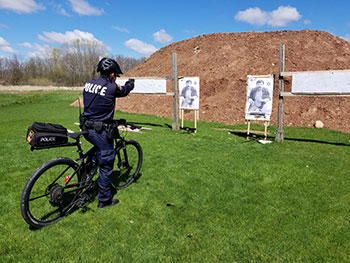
{"x":207,"y":197}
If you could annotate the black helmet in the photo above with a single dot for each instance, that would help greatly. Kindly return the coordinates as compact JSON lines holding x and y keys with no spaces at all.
{"x":108,"y":65}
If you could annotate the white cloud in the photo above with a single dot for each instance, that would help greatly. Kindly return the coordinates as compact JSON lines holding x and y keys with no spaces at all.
{"x":21,"y":6}
{"x":61,"y":38}
{"x":162,"y":37}
{"x":140,"y":47}
{"x":26,"y":45}
{"x":38,"y":50}
{"x":121,"y":29}
{"x":346,"y":37}
{"x":3,"y":42}
{"x":189,"y":31}
{"x":254,"y":16}
{"x":82,"y":7}
{"x":61,"y":10}
{"x":68,"y":37}
{"x":283,"y":15}
{"x":34,"y":46}
{"x":307,"y":22}
{"x":56,"y":37}
{"x":280,"y":17}
{"x":5,"y":46}
{"x":7,"y":49}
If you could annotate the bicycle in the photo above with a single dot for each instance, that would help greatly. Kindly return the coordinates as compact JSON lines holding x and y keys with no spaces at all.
{"x":61,"y":185}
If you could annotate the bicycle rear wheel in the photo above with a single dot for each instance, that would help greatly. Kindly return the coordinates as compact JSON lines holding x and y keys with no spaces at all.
{"x":127,"y":164}
{"x":50,"y":192}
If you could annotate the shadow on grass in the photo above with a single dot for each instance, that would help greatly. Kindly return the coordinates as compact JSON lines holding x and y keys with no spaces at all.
{"x":317,"y":141}
{"x":256,"y":137}
{"x":188,"y":130}
{"x":168,"y":126}
{"x":149,"y":124}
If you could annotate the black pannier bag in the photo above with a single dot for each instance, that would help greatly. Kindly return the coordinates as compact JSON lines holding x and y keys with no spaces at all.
{"x":46,"y":135}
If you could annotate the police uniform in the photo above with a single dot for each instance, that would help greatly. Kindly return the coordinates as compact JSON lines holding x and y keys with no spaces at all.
{"x":100,"y":95}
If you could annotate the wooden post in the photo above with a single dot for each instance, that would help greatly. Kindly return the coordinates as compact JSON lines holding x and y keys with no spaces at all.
{"x":265,"y":133}
{"x":175,"y":125}
{"x":195,"y":121}
{"x":248,"y":130}
{"x":182,"y":118}
{"x":279,"y":133}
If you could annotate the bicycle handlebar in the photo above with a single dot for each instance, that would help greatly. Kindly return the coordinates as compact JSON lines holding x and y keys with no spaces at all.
{"x":123,"y":122}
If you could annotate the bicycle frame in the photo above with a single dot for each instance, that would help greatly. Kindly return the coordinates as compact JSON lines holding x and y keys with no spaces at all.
{"x":81,"y":185}
{"x":120,"y":141}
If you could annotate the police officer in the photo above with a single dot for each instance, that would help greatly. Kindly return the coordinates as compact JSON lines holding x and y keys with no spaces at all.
{"x":99,"y":100}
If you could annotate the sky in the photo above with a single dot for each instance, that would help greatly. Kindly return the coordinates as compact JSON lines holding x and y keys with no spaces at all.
{"x":138,"y":28}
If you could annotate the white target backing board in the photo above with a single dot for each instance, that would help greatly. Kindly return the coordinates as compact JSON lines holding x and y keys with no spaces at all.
{"x":189,"y":93}
{"x":145,"y":85}
{"x":259,"y":97}
{"x":323,"y":82}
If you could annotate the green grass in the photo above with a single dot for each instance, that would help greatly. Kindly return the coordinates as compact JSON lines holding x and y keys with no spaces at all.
{"x":232,"y":200}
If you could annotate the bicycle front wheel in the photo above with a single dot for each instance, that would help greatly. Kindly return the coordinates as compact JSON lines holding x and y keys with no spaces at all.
{"x":50,"y":192}
{"x":127,"y":164}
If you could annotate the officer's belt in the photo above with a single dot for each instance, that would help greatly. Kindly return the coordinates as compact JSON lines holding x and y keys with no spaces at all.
{"x":98,"y":126}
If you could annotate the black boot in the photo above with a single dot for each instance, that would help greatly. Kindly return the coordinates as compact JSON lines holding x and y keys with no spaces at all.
{"x":107,"y":203}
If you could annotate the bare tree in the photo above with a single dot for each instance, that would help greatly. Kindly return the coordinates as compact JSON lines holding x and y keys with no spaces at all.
{"x":127,"y":63}
{"x":2,"y":70}
{"x":80,"y":58}
{"x":14,"y":71}
{"x":71,"y":64}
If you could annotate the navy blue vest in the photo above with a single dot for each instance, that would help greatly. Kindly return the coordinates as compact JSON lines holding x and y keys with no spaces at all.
{"x":103,"y":106}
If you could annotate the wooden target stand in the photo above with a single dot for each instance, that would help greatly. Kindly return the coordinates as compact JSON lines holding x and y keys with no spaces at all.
{"x":196,"y":118}
{"x":266,"y":125}
{"x":258,"y":114}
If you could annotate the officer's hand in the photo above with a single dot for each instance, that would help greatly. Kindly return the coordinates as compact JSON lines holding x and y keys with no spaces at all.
{"x":130,"y":83}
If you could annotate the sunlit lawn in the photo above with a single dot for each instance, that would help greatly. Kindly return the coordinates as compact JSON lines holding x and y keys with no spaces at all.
{"x":213,"y":196}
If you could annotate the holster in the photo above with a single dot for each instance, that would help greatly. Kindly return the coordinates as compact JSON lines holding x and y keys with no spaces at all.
{"x":86,"y":124}
{"x":98,"y":126}
{"x":112,"y":130}
{"x":82,"y":122}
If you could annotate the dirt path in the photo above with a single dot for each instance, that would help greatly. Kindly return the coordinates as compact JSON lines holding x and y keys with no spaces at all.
{"x":34,"y":88}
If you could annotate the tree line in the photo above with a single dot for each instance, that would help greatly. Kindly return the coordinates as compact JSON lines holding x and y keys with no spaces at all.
{"x":72,"y":64}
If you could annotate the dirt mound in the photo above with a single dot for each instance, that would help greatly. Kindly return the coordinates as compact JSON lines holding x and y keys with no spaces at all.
{"x":223,"y":61}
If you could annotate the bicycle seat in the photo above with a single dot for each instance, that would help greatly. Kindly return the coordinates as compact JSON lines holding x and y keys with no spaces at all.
{"x":76,"y":135}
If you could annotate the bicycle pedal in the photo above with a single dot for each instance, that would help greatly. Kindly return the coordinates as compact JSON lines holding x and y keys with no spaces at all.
{"x":70,"y":210}
{"x":90,"y":186}
{"x":93,"y":171}
{"x":81,"y":202}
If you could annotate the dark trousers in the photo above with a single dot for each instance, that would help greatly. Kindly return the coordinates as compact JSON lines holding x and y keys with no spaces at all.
{"x":105,"y":157}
